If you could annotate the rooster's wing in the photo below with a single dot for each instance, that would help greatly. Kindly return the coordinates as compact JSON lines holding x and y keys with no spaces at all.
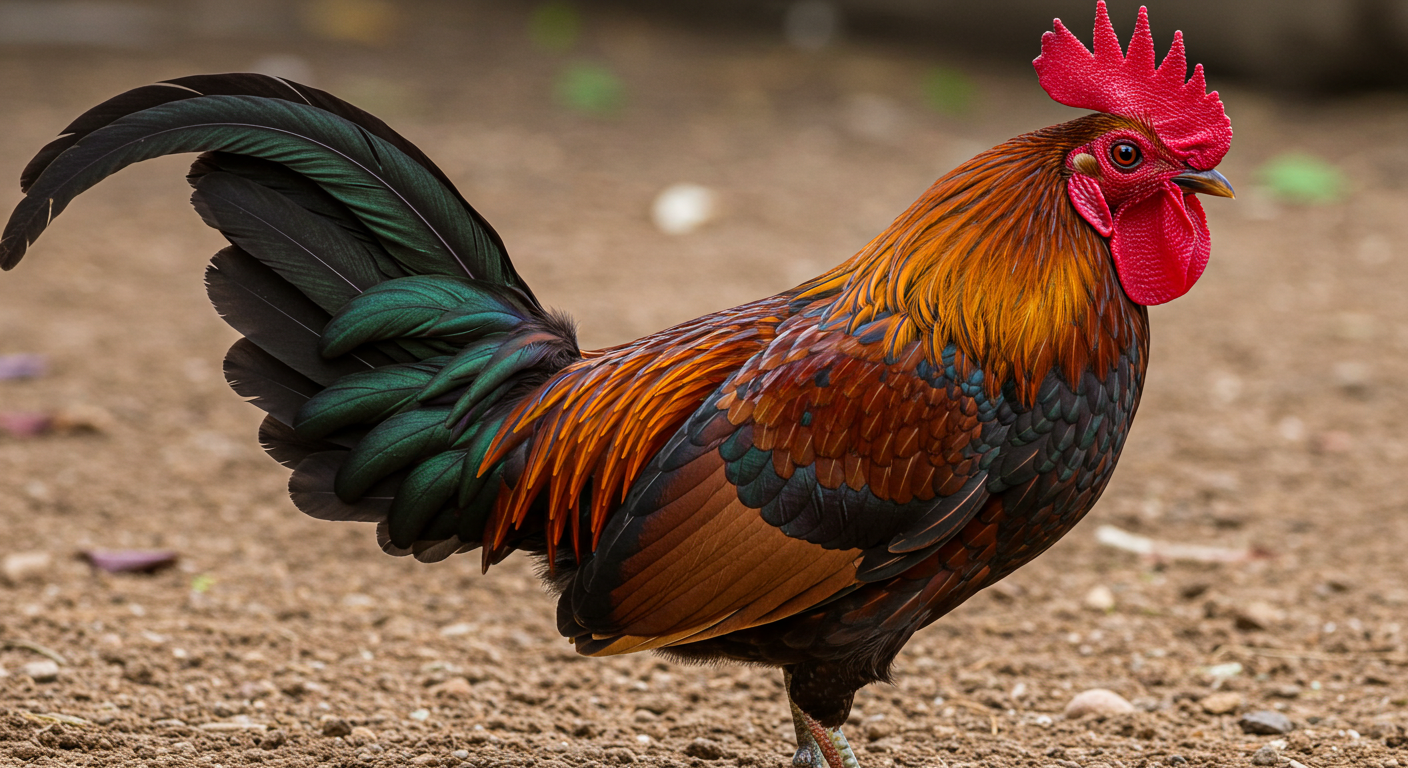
{"x":821,"y":465}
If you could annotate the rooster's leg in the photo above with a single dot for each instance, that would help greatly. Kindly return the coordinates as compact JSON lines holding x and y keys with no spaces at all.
{"x":817,"y":745}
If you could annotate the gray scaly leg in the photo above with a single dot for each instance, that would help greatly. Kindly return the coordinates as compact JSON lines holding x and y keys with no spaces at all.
{"x":817,"y":745}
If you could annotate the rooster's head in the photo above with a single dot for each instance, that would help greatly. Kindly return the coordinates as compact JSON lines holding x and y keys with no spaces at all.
{"x":1136,"y":184}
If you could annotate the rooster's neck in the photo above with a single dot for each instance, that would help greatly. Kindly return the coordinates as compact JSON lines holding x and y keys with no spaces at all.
{"x":995,"y":260}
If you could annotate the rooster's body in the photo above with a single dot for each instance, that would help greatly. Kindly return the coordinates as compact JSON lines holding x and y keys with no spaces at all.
{"x":803,"y":481}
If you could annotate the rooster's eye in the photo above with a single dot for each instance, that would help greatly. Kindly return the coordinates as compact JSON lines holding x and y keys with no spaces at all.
{"x":1125,"y":156}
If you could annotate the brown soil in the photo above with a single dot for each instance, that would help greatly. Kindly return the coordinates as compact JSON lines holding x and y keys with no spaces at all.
{"x":1274,"y":417}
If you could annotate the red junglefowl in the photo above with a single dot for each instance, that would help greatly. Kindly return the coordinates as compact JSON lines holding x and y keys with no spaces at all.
{"x":801,"y":482}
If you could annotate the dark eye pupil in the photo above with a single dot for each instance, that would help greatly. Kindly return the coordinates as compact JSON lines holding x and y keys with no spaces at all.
{"x":1125,"y":155}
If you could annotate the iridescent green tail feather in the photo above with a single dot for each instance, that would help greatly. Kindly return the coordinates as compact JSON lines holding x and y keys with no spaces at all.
{"x":386,"y":333}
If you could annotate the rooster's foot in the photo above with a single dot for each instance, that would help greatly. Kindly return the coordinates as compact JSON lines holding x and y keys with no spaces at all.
{"x":817,"y":745}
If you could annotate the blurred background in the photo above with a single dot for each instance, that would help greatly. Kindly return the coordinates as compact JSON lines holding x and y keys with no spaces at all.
{"x":647,"y":163}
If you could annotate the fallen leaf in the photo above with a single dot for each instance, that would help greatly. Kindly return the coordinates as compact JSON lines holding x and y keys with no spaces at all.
{"x":25,"y":423}
{"x":130,"y":560}
{"x":22,"y":366}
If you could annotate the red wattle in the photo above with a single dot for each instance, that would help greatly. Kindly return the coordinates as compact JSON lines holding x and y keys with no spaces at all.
{"x":1161,"y":245}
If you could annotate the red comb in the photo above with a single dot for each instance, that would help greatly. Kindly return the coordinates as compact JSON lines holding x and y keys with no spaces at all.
{"x":1187,"y":119}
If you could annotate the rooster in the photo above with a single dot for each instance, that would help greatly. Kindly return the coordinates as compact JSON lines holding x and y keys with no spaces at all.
{"x":800,"y":482}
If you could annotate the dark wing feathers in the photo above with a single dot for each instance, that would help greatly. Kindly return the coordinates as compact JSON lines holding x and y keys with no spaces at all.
{"x":818,"y":466}
{"x":851,"y":496}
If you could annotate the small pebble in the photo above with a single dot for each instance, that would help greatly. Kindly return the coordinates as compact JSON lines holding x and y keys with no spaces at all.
{"x":425,"y":759}
{"x":82,"y":418}
{"x":1100,"y":598}
{"x":1224,"y":703}
{"x":272,"y":740}
{"x":44,"y":671}
{"x":683,"y":208}
{"x":460,"y":754}
{"x":421,"y":715}
{"x":1267,"y":755}
{"x":705,"y":749}
{"x":454,"y":688}
{"x":25,"y":566}
{"x":1258,"y":616}
{"x":1099,"y":702}
{"x":1265,"y":722}
{"x":335,"y":726}
{"x":1176,"y":760}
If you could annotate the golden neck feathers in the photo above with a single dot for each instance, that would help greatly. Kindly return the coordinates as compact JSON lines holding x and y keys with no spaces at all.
{"x":994,"y":259}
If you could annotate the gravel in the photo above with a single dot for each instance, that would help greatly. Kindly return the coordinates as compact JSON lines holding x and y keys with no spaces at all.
{"x":1265,"y":722}
{"x":42,"y":671}
{"x":113,"y":296}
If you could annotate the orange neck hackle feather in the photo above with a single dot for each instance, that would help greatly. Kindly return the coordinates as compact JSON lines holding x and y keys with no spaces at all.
{"x":994,"y":259}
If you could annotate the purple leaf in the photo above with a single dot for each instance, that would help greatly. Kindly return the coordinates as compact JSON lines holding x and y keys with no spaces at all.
{"x":25,"y":423}
{"x":22,"y":366}
{"x":129,"y":560}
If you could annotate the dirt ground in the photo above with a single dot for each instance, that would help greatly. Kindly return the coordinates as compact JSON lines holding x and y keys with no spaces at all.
{"x":1275,"y":418}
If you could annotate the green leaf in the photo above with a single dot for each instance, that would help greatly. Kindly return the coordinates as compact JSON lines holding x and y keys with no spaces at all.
{"x":948,"y":91}
{"x":1304,"y":179}
{"x":423,"y":493}
{"x":590,"y":88}
{"x":391,"y":445}
{"x":555,"y":26}
{"x":364,"y":398}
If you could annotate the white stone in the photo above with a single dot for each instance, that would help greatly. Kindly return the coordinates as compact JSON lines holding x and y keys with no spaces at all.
{"x":45,"y":671}
{"x":683,"y":208}
{"x":1097,"y":701}
{"x":1100,"y":598}
{"x":19,"y":567}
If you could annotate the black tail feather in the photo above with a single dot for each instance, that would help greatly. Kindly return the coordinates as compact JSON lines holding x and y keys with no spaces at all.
{"x":311,"y":489}
{"x":273,"y":387}
{"x":287,"y":447}
{"x":249,"y":84}
{"x":317,"y":257}
{"x":279,"y":319}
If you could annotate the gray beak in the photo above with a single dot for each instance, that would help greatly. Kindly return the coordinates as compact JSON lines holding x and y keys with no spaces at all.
{"x":1206,"y":182}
